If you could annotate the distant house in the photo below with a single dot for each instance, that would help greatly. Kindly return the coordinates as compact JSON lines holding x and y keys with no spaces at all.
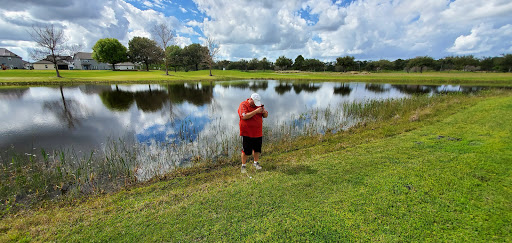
{"x":84,"y":61}
{"x":125,"y":66}
{"x":43,"y":65}
{"x":63,"y":63}
{"x":28,"y":65}
{"x":9,"y":60}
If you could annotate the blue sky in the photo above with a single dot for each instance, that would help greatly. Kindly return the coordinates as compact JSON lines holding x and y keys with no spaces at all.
{"x":246,"y":29}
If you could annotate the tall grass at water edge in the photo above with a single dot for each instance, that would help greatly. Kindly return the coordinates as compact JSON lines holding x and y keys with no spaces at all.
{"x":33,"y":178}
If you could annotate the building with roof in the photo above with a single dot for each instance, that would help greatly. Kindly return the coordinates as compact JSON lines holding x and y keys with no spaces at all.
{"x":9,"y":60}
{"x":84,"y":61}
{"x":43,"y":65}
{"x":63,"y":63}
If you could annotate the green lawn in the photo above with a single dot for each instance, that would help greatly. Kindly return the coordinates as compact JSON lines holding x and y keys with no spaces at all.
{"x":27,"y":77}
{"x":441,"y":173}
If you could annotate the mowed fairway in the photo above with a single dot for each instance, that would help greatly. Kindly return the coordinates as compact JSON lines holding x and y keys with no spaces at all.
{"x":443,"y":176}
{"x":41,"y":77}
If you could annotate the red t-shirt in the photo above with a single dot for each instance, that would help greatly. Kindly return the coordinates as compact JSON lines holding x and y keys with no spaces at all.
{"x":252,"y":127}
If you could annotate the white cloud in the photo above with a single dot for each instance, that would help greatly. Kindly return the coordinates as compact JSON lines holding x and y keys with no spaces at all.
{"x":482,"y":39}
{"x":182,"y":41}
{"x":194,"y":23}
{"x":148,"y":4}
{"x":322,"y":29}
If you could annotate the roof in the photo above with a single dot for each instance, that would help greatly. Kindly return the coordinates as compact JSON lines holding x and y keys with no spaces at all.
{"x":83,"y":55}
{"x":43,"y":62}
{"x":6,"y":53}
{"x":59,"y":62}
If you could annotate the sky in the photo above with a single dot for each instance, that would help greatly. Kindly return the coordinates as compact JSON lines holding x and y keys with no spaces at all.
{"x":247,"y":29}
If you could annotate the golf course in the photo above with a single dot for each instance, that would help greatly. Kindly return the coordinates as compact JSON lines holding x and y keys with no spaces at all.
{"x":426,"y":168}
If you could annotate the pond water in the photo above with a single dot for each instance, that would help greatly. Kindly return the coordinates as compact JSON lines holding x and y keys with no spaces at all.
{"x":194,"y":118}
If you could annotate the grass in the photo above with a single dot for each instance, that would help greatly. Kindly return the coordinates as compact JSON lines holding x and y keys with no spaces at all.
{"x":41,"y":77}
{"x":27,"y":180}
{"x":440,"y":172}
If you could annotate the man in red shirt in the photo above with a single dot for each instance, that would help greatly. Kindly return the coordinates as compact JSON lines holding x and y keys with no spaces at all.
{"x":251,"y":113}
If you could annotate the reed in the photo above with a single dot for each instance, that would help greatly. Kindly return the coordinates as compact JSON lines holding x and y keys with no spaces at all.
{"x":31,"y":178}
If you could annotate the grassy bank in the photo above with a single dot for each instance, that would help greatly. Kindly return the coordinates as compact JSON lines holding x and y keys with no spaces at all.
{"x":438,"y":173}
{"x":41,"y":77}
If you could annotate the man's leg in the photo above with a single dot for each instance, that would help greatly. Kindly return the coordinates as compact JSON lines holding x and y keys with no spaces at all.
{"x":256,"y":159}
{"x":244,"y":158}
{"x":257,"y":156}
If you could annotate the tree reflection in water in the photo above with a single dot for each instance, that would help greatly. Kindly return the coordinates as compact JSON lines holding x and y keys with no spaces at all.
{"x":171,"y":123}
{"x":64,"y":109}
{"x":343,"y":90}
{"x":151,"y":101}
{"x":377,"y":88}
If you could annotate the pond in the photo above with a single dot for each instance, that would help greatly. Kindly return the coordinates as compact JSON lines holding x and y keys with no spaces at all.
{"x":167,"y":125}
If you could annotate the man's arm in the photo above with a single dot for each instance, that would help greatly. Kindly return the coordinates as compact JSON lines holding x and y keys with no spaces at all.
{"x":252,"y":113}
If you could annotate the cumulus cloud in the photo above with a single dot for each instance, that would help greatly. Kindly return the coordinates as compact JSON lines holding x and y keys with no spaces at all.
{"x":482,"y":40}
{"x":322,"y":29}
{"x":255,"y":22}
{"x":83,"y":22}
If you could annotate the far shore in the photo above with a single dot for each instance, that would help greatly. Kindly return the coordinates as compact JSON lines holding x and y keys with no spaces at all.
{"x":73,"y":77}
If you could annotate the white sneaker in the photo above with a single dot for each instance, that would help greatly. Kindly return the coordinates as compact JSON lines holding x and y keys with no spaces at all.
{"x":243,"y":169}
{"x":257,"y":165}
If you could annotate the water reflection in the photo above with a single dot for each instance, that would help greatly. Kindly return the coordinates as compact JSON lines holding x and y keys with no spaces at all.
{"x":63,"y":109}
{"x":343,"y":90}
{"x":196,"y":94}
{"x":6,"y":94}
{"x":308,"y":87}
{"x":117,"y":100}
{"x":175,"y":120}
{"x":377,"y":88}
{"x":282,"y":88}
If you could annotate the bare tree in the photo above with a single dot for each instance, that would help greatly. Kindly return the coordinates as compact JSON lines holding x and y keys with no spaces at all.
{"x":163,"y":34}
{"x":51,"y":42}
{"x":213,"y":48}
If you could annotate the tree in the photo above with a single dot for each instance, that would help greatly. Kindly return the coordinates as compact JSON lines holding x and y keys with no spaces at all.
{"x":253,"y":64}
{"x":421,"y":63}
{"x":265,"y":64}
{"x":51,"y":42}
{"x":109,"y":50}
{"x":463,"y":62}
{"x":242,"y":64}
{"x":399,"y":64}
{"x":314,"y":65}
{"x":222,"y":64}
{"x":212,"y":49}
{"x":164,"y":35}
{"x":284,"y":63}
{"x":193,"y":55}
{"x":506,"y":62}
{"x":173,"y":55}
{"x":142,"y":49}
{"x":384,"y":65}
{"x":345,"y":63}
{"x":299,"y":63}
{"x":487,"y":63}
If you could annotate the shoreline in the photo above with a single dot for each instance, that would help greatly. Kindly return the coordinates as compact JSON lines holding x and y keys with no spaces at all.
{"x":75,"y":77}
{"x":430,"y":169}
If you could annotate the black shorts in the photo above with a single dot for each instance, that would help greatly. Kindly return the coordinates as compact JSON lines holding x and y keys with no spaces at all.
{"x":249,"y":144}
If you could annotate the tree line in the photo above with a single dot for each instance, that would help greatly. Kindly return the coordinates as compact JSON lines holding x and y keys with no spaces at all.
{"x":158,"y":53}
{"x":470,"y":63}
